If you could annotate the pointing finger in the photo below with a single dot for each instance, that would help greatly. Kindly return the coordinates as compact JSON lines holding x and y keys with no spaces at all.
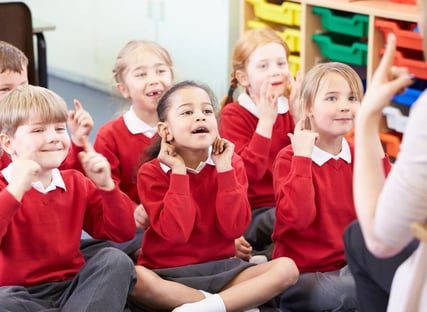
{"x":87,"y":146}
{"x":78,"y":106}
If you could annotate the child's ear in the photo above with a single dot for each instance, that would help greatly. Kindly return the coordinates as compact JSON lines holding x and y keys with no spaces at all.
{"x":242,"y":78}
{"x":163,"y":130}
{"x":123,"y":89}
{"x":6,"y":144}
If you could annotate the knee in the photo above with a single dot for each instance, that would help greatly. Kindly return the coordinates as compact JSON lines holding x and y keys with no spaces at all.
{"x":285,"y":271}
{"x":146,"y":281}
{"x":116,"y":260}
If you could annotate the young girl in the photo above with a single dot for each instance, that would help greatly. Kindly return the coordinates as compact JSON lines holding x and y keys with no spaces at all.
{"x":43,"y":211}
{"x":143,"y":71}
{"x":195,"y":195}
{"x":259,"y":121}
{"x":313,"y":187}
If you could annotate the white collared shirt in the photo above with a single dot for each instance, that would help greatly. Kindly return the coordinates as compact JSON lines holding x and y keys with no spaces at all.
{"x":57,"y":180}
{"x":199,"y":168}
{"x":245,"y":101}
{"x":320,"y":157}
{"x":136,"y":125}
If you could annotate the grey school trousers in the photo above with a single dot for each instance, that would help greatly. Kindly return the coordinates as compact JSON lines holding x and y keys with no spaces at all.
{"x":103,"y":284}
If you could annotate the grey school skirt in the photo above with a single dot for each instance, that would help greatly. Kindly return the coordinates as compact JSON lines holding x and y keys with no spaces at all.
{"x":210,"y":276}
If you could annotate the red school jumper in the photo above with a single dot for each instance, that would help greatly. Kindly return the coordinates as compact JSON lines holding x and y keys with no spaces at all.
{"x":56,"y":220}
{"x":314,"y":207}
{"x":125,"y":153}
{"x":194,"y":217}
{"x":238,"y":125}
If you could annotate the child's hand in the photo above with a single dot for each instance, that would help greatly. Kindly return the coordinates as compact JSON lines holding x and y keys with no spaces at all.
{"x":141,"y":217}
{"x":170,"y":157}
{"x":222,"y":152}
{"x":295,"y":87}
{"x":25,"y":171}
{"x":303,"y":139}
{"x":243,"y":248}
{"x":267,"y":108}
{"x":96,"y":166}
{"x":80,"y":123}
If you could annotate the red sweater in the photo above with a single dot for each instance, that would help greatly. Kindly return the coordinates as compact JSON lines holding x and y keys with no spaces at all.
{"x":194,"y":217}
{"x":4,"y":160}
{"x":314,"y":206}
{"x":40,"y":236}
{"x":258,"y":153}
{"x":125,"y":152}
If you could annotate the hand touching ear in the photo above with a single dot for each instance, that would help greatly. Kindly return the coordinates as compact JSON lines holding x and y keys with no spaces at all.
{"x":96,"y":166}
{"x":222,"y":152}
{"x":170,"y":157}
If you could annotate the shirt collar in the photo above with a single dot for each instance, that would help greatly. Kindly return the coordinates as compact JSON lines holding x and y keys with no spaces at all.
{"x":57,"y":180}
{"x":320,"y":157}
{"x":199,"y":168}
{"x":136,"y":125}
{"x":245,"y":101}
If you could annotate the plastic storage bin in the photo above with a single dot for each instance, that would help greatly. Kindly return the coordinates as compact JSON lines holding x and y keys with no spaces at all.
{"x":412,"y":59}
{"x":294,"y":64}
{"x":288,"y":13}
{"x":291,"y":36}
{"x":343,"y":22}
{"x":342,"y":48}
{"x":405,"y":1}
{"x":405,"y":32}
{"x":408,"y":98}
{"x":395,"y":119}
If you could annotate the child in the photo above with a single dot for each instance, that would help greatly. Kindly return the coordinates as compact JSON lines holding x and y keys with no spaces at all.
{"x":195,"y":195}
{"x":259,"y":121}
{"x":13,"y":68}
{"x":13,"y":73}
{"x":143,"y":71}
{"x":42,"y":206}
{"x":313,"y":188}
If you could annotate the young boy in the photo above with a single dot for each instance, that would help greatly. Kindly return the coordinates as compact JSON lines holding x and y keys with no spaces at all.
{"x":13,"y":73}
{"x":43,"y":206}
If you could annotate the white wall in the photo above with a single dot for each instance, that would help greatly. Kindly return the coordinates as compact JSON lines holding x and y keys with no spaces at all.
{"x":199,"y":34}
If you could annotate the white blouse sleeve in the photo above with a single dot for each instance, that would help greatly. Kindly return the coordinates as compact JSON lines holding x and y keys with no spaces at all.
{"x":403,"y":199}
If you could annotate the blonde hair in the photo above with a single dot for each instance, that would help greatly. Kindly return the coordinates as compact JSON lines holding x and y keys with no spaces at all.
{"x":311,"y":82}
{"x":243,"y":49}
{"x":121,"y":63}
{"x":11,"y":58}
{"x":24,"y":102}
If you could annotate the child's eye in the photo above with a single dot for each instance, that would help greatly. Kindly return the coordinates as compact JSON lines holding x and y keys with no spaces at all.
{"x":37,"y":130}
{"x":5,"y":89}
{"x":208,"y":111}
{"x":353,"y":98}
{"x":61,"y":129}
{"x":187,"y":112}
{"x":140,"y":74}
{"x":282,"y":64}
{"x":262,"y":66}
{"x":331,"y":98}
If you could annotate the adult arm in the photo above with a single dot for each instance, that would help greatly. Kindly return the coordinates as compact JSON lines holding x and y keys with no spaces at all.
{"x":369,"y":175}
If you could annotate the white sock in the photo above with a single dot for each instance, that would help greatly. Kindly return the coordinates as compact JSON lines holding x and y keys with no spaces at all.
{"x":205,"y":293}
{"x":252,"y":310}
{"x":213,"y":303}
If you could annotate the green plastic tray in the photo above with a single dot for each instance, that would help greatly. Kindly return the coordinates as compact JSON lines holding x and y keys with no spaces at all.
{"x":343,"y":22}
{"x":342,"y":48}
